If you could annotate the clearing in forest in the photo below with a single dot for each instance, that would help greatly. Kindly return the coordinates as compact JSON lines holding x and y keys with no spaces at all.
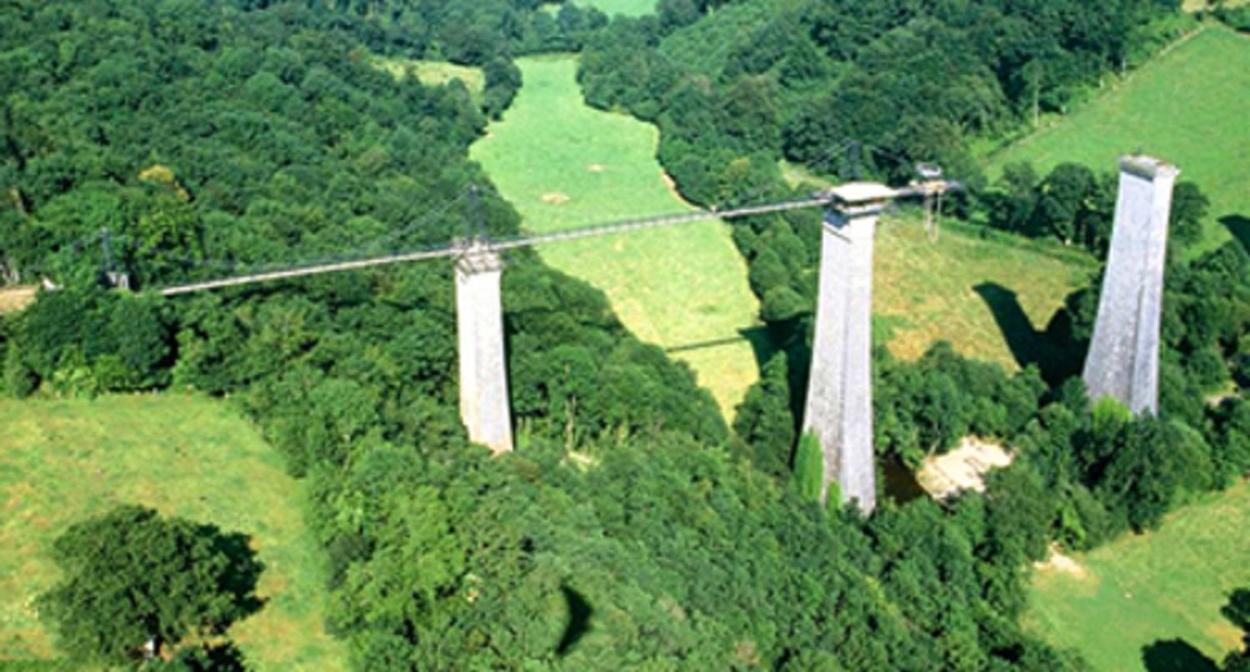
{"x":989,"y":294}
{"x":1188,"y":106}
{"x":1159,"y":592}
{"x":621,"y":7}
{"x":434,"y":73}
{"x":563,"y":164}
{"x":991,"y":297}
{"x":64,"y":461}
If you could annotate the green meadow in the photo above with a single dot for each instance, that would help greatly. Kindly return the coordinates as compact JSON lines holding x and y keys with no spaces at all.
{"x":989,"y":294}
{"x":1190,"y":106}
{"x":63,"y":461}
{"x":1163,"y":589}
{"x":989,"y":297}
{"x":563,"y":164}
{"x":622,"y":7}
{"x":434,"y":73}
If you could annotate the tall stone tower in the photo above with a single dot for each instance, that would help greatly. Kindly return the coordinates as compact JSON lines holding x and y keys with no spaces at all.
{"x":484,"y":404}
{"x":839,"y":390}
{"x":1123,"y":359}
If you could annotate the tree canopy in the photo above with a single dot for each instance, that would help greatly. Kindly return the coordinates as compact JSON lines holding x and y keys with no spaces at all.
{"x":132,"y":577}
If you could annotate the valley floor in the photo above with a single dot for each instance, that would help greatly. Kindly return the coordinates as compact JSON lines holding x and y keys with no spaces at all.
{"x":563,"y":165}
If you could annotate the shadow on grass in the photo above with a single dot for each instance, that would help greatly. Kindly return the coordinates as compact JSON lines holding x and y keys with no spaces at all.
{"x":241,"y":578}
{"x":1175,"y":655}
{"x":759,"y":337}
{"x":1056,"y":361}
{"x":1239,"y":227}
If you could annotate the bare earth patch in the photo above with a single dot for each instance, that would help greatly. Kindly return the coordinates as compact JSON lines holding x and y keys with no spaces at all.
{"x":596,"y":168}
{"x":1064,"y":564}
{"x":964,"y":468}
{"x":555,"y":198}
{"x":14,"y":299}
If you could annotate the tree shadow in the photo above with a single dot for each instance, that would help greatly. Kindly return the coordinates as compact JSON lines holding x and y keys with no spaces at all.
{"x":899,"y":482}
{"x":580,"y":612}
{"x":240,"y":578}
{"x":1239,"y":227}
{"x":220,"y":657}
{"x":1175,"y":655}
{"x":1028,"y":345}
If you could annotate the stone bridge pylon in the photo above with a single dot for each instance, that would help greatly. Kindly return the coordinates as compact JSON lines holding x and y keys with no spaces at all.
{"x":1123,"y":358}
{"x":484,"y":402}
{"x":839,"y":391}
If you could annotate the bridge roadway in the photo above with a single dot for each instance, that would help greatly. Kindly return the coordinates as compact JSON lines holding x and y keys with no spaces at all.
{"x":455,"y":249}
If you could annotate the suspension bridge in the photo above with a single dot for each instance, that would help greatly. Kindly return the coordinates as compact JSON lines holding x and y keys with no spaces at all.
{"x":1122,"y":362}
{"x":839,"y":408}
{"x":456,"y":248}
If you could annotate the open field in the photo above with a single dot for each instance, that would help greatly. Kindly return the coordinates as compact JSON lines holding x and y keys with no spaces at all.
{"x":623,"y":7}
{"x":1162,"y":586}
{"x":989,"y":298}
{"x":988,"y":293}
{"x":434,"y":73}
{"x":63,"y":461}
{"x":1196,"y":5}
{"x":1188,"y":106}
{"x":563,"y":164}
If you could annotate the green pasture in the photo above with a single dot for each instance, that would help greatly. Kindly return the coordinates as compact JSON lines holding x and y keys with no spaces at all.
{"x":989,"y":294}
{"x":1162,"y":591}
{"x":563,"y":164}
{"x":989,"y":297}
{"x":1198,"y":5}
{"x":63,"y":461}
{"x":622,"y":7}
{"x":1190,"y":106}
{"x":434,"y":73}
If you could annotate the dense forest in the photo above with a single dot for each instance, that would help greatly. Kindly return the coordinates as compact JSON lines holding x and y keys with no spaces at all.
{"x":177,"y":139}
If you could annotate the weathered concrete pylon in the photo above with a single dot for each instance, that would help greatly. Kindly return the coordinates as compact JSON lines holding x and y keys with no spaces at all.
{"x":484,"y":406}
{"x":1123,"y":359}
{"x":839,"y":390}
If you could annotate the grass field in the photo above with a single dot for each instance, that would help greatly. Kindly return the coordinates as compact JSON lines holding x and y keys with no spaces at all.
{"x":434,"y":73}
{"x":1190,"y":106}
{"x":63,"y":461}
{"x":1196,"y":5}
{"x":622,"y":7}
{"x":1162,"y":586}
{"x":563,"y":164}
{"x":988,"y":298}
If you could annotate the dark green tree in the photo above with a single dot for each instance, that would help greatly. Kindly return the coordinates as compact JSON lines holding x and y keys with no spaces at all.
{"x":132,"y":576}
{"x":764,"y":420}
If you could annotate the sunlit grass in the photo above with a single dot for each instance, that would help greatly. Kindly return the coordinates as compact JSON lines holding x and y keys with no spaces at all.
{"x":1188,"y":106}
{"x":434,"y":73}
{"x":927,"y":291}
{"x":622,"y":7}
{"x":1165,"y":585}
{"x":64,"y":461}
{"x":564,"y":164}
